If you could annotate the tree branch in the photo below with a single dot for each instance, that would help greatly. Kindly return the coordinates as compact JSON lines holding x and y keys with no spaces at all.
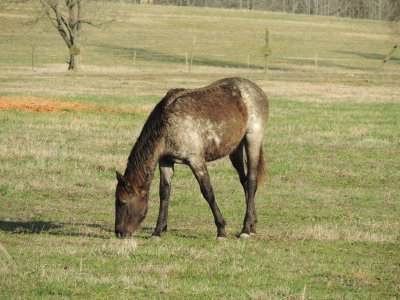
{"x":60,"y":26}
{"x":32,"y":23}
{"x":47,"y":12}
{"x":98,"y":25}
{"x":66,"y":25}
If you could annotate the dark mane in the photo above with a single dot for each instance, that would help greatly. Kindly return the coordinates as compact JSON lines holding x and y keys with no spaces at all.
{"x":145,"y":145}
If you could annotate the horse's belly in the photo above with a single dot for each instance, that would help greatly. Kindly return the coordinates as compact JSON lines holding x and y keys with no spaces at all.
{"x":215,"y":150}
{"x":222,"y":140}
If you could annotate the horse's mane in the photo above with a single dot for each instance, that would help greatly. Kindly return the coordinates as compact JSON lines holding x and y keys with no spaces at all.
{"x":138,"y":167}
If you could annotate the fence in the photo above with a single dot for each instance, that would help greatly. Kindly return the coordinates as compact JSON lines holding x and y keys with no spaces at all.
{"x":35,"y":56}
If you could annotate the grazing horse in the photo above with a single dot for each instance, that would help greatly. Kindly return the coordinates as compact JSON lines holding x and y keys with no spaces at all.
{"x":192,"y":127}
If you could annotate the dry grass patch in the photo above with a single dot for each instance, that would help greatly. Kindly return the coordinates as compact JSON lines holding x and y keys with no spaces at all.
{"x":120,"y":247}
{"x":330,"y":92}
{"x":324,"y":232}
{"x":11,"y":15}
{"x":5,"y":255}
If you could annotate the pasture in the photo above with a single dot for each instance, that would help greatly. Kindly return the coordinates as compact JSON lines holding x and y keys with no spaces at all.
{"x":328,"y":212}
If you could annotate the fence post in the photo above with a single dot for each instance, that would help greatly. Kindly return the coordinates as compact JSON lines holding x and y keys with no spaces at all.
{"x":267,"y":52}
{"x":191,"y":53}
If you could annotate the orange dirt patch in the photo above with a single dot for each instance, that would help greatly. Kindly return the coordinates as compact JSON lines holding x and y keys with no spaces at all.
{"x":41,"y":105}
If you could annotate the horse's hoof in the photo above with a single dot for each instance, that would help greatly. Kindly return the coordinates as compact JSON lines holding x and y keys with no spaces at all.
{"x":221,"y":238}
{"x":244,"y":236}
{"x":155,"y":238}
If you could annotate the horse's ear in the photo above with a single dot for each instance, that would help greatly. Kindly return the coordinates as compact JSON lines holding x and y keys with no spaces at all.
{"x":120,"y":178}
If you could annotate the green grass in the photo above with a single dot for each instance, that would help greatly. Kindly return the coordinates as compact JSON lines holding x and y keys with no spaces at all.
{"x":328,"y":213}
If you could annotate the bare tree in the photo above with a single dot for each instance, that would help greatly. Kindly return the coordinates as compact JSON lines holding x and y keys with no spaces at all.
{"x":67,"y":17}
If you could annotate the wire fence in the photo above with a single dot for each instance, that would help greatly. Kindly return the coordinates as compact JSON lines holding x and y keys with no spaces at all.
{"x":36,"y":56}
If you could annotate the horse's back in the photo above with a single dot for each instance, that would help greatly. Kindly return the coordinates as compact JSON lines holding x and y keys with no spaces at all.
{"x":237,"y":93}
{"x":213,"y":120}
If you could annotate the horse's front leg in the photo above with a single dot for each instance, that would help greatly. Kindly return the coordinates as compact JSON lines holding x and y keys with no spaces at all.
{"x":166,"y":174}
{"x":200,"y":171}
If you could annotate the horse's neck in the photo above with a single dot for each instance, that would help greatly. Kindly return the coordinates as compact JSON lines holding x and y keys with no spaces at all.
{"x":141,"y":167}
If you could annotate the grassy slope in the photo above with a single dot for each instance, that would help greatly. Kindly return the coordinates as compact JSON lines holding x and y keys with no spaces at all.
{"x":329,"y":211}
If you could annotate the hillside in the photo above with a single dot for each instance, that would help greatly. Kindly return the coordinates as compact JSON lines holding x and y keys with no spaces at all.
{"x":160,"y":42}
{"x":328,"y":213}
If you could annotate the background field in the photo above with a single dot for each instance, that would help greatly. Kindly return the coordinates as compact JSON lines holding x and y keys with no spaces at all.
{"x":328,"y":213}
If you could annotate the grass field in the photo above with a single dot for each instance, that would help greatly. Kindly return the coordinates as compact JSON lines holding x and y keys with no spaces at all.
{"x":328,"y":212}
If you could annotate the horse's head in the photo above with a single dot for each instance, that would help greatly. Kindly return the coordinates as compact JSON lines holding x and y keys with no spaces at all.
{"x":130,"y":207}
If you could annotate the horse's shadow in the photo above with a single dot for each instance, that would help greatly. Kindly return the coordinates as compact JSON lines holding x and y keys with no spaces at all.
{"x":70,"y":229}
{"x":145,"y":233}
{"x":28,"y":226}
{"x":52,"y":228}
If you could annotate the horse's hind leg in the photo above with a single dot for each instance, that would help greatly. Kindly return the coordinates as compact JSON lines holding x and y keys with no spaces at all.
{"x":253,"y":145}
{"x":166,"y":174}
{"x":201,"y":173}
{"x":239,"y":163}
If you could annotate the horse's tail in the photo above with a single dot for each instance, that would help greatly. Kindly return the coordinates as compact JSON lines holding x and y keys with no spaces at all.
{"x":261,"y":168}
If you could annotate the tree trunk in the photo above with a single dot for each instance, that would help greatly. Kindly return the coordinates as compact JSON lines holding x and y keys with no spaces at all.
{"x":74,"y":56}
{"x":73,"y":63}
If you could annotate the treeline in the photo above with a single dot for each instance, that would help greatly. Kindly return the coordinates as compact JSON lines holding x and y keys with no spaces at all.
{"x":363,"y":9}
